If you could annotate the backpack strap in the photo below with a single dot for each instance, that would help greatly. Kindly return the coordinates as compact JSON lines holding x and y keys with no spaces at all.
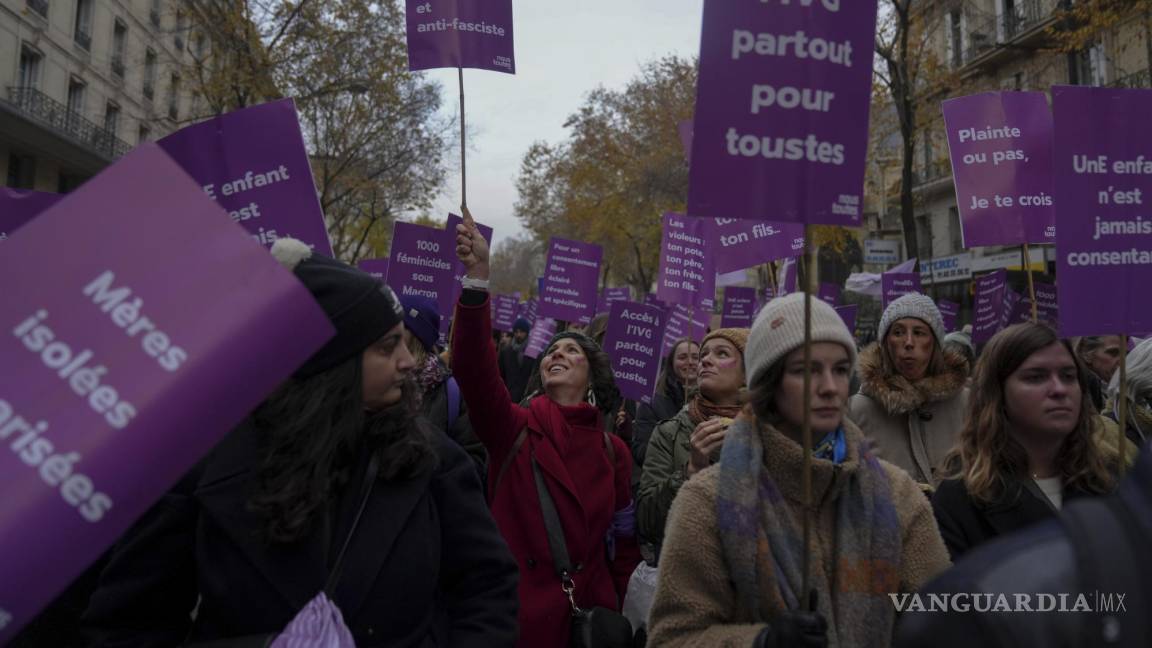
{"x":453,"y":401}
{"x":1103,"y":539}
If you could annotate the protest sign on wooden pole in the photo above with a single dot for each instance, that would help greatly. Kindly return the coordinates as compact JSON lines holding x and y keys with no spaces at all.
{"x":463,"y":156}
{"x":1031,"y":283}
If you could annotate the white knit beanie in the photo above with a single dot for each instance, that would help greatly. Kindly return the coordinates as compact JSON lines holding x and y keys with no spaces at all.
{"x":917,"y":306}
{"x":779,"y":329}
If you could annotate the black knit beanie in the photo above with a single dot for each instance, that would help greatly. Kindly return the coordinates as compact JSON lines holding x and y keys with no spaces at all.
{"x":360,"y":307}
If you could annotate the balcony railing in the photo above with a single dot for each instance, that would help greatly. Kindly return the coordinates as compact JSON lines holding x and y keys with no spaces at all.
{"x":83,"y":40}
{"x":1026,"y":16}
{"x":118,"y":67}
{"x":51,"y":113}
{"x":988,"y":32}
{"x":39,"y":6}
{"x":1142,"y":79}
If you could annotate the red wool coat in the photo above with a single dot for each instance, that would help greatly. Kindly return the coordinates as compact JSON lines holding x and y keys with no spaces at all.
{"x":568,"y":443}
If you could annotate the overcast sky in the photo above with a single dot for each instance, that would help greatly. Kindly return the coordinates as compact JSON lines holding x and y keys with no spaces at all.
{"x":563,"y":50}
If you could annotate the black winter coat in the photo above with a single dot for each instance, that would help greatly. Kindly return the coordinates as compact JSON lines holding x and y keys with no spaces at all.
{"x":426,"y":567}
{"x":965,"y":523}
{"x":663,"y":407}
{"x":516,"y":370}
{"x":435,"y":408}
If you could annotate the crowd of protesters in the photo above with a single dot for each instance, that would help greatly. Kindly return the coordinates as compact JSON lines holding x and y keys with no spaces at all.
{"x":393,"y":498}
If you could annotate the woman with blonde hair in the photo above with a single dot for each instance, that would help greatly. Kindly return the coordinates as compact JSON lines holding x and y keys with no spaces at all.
{"x":1029,"y":443}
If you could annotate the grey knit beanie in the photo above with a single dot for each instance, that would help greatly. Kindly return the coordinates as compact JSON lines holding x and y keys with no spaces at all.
{"x":917,"y":306}
{"x":779,"y":329}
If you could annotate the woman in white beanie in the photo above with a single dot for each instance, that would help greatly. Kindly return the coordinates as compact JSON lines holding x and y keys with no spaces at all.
{"x":1139,"y":394}
{"x":913,"y":390}
{"x":730,"y":572}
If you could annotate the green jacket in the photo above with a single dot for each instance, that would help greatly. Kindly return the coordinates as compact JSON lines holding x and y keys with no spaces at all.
{"x":665,"y":466}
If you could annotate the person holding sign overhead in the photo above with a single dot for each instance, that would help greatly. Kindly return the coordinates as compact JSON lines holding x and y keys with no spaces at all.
{"x":333,"y":497}
{"x":912,"y":392}
{"x":730,"y":571}
{"x":558,"y":483}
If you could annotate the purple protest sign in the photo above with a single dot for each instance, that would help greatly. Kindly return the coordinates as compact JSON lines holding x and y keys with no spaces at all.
{"x":542,"y":331}
{"x":162,"y":306}
{"x":687,"y":272}
{"x":460,"y":33}
{"x":651,"y":300}
{"x":1000,"y":144}
{"x":950,"y":313}
{"x":568,"y":291}
{"x":418,"y":264}
{"x":17,"y":207}
{"x":685,"y":130}
{"x":830,"y":293}
{"x":739,"y":305}
{"x":1103,"y":177}
{"x":503,"y":312}
{"x":528,"y":310}
{"x":254,"y":164}
{"x":701,"y":320}
{"x":737,"y":243}
{"x":632,"y":341}
{"x":786,"y":277}
{"x":677,"y":324}
{"x":989,"y":304}
{"x":1047,"y":303}
{"x":610,"y":296}
{"x":848,"y":314}
{"x":376,"y":267}
{"x":781,"y":126}
{"x":895,"y":284}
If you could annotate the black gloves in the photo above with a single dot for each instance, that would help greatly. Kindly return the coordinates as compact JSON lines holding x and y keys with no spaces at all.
{"x":795,"y":629}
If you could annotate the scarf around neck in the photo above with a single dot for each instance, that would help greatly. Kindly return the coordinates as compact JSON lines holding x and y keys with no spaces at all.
{"x":761,"y":534}
{"x":701,"y":409}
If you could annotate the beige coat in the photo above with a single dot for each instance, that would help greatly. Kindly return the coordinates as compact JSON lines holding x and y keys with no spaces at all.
{"x":913,"y":425}
{"x":696,"y":603}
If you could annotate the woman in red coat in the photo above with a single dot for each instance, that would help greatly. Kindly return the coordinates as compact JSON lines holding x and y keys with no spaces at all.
{"x":587,"y":472}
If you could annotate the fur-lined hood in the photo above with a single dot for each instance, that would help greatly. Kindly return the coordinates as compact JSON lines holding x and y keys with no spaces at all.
{"x":897,"y":395}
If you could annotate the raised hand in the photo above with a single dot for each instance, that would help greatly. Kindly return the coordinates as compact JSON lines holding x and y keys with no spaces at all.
{"x":471,"y":248}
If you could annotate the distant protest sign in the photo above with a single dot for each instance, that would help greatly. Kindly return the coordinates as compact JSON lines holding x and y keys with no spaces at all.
{"x":1000,"y":144}
{"x":848,"y":315}
{"x":950,"y":313}
{"x":1047,"y":303}
{"x":254,"y":164}
{"x":542,"y":331}
{"x":458,"y":270}
{"x":781,"y":122}
{"x":989,"y":305}
{"x":633,"y":343}
{"x":700,"y":321}
{"x":17,"y":207}
{"x":651,"y":300}
{"x":376,"y":267}
{"x":687,"y":272}
{"x":677,"y":325}
{"x":460,"y":33}
{"x":163,"y":305}
{"x":419,"y":264}
{"x":1104,"y":229}
{"x":830,"y":293}
{"x":568,"y":291}
{"x":737,"y":243}
{"x":786,"y":277}
{"x":528,"y":310}
{"x":503,"y":312}
{"x":739,"y":307}
{"x":1014,"y":310}
{"x":895,"y":284}
{"x":609,"y":296}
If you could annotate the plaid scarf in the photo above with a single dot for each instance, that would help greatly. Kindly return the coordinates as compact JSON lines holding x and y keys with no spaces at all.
{"x":761,"y":535}
{"x":701,"y":409}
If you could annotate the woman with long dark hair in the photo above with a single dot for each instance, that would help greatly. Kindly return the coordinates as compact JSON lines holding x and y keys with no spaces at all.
{"x":555,"y":449}
{"x":333,"y":485}
{"x":1030,"y":442}
{"x":677,"y":377}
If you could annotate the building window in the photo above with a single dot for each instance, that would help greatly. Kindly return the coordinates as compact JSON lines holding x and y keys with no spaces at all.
{"x":174,"y":97}
{"x":112,"y":119}
{"x":76,"y":92}
{"x":68,"y":182}
{"x":1089,"y":66}
{"x":144,"y":135}
{"x":29,"y":67}
{"x":119,"y":42}
{"x":956,"y":234}
{"x":924,"y":235}
{"x":21,"y":171}
{"x":82,"y":33}
{"x":39,"y":6}
{"x":149,"y":73}
{"x":181,"y":25}
{"x":154,"y":13}
{"x":954,"y":30}
{"x":199,"y":46}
